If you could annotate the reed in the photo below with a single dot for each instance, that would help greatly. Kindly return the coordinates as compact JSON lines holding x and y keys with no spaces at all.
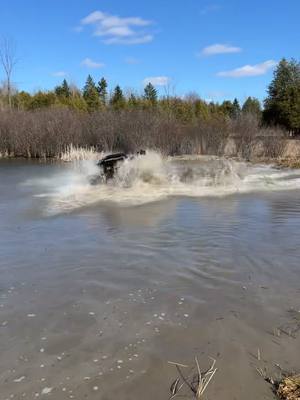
{"x":195,"y":381}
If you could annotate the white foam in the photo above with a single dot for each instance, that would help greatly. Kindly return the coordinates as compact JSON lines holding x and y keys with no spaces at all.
{"x":19,"y":379}
{"x":47,"y":390}
{"x":152,"y":177}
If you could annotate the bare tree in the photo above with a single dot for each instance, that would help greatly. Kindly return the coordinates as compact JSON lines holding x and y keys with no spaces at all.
{"x":8,"y":61}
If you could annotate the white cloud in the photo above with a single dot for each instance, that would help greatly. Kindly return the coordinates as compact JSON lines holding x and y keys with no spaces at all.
{"x":157,"y":80}
{"x":59,"y":74}
{"x":87,"y":62}
{"x":117,"y":30}
{"x":249,"y":70}
{"x":132,"y":40}
{"x":92,"y":18}
{"x":219,"y":49}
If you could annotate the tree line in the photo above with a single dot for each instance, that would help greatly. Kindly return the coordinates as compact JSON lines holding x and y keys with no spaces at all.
{"x":281,"y":107}
{"x":95,"y":97}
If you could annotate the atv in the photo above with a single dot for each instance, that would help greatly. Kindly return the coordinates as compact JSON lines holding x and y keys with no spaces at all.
{"x":110,"y":164}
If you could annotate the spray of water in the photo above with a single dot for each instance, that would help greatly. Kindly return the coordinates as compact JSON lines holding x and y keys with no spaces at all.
{"x":152,"y":177}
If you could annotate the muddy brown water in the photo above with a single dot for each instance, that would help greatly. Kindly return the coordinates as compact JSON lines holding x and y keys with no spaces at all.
{"x":94,"y":301}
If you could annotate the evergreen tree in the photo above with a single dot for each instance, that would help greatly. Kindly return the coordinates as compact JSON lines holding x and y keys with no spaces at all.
{"x":133,"y":101}
{"x":231,"y":109}
{"x":150,"y":94}
{"x":236,"y":109}
{"x":227,"y":107}
{"x":90,"y":94}
{"x":252,"y":106}
{"x":22,"y":100}
{"x":282,"y":103}
{"x":117,"y":100}
{"x":42,"y":100}
{"x":102,"y":90}
{"x":201,"y":109}
{"x":63,"y":90}
{"x":291,"y":110}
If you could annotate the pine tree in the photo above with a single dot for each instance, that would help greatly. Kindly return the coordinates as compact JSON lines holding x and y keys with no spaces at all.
{"x":150,"y":94}
{"x":236,"y":109}
{"x":63,"y":90}
{"x":227,"y":107}
{"x":90,"y":94}
{"x":133,"y":101}
{"x":102,"y":90}
{"x":291,"y":110}
{"x":231,"y":109}
{"x":42,"y":100}
{"x":117,"y":100}
{"x":283,"y":101}
{"x":201,"y":109}
{"x":252,"y":106}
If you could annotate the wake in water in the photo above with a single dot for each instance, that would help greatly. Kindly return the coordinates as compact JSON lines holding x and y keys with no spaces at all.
{"x":152,"y":177}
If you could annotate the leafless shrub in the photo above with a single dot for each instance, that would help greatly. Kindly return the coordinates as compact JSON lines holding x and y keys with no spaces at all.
{"x":253,"y":141}
{"x":245,"y":129}
{"x":49,"y":132}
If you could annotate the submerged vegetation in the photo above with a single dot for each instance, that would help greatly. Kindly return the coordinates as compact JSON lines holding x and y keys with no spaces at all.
{"x":46,"y":123}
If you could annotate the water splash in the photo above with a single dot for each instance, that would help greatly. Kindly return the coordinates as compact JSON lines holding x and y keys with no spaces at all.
{"x":153,"y":177}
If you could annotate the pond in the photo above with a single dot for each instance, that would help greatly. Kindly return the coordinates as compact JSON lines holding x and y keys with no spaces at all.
{"x":102,"y":285}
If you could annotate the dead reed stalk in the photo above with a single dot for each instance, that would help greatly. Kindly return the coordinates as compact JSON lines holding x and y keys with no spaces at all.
{"x":195,"y":381}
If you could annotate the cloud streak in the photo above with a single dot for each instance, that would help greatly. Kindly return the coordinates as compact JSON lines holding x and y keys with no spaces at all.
{"x":249,"y":70}
{"x":118,"y":30}
{"x":89,"y":63}
{"x":219,"y":49}
{"x":157,"y":80}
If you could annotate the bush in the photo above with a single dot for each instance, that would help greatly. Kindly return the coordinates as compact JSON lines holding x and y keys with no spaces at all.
{"x":48,"y":132}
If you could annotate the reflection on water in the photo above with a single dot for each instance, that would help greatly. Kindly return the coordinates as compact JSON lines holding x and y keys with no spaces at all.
{"x":100,"y":287}
{"x":147,"y":215}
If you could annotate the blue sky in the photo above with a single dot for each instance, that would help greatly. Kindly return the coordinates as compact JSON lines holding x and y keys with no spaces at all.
{"x":219,"y":49}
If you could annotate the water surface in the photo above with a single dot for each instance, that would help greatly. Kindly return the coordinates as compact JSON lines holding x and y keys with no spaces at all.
{"x":102,"y":285}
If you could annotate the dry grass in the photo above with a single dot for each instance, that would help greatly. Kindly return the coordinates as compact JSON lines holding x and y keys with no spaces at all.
{"x":75,"y":153}
{"x":196,"y":382}
{"x":289,"y":163}
{"x":285,"y":386}
{"x":289,"y":388}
